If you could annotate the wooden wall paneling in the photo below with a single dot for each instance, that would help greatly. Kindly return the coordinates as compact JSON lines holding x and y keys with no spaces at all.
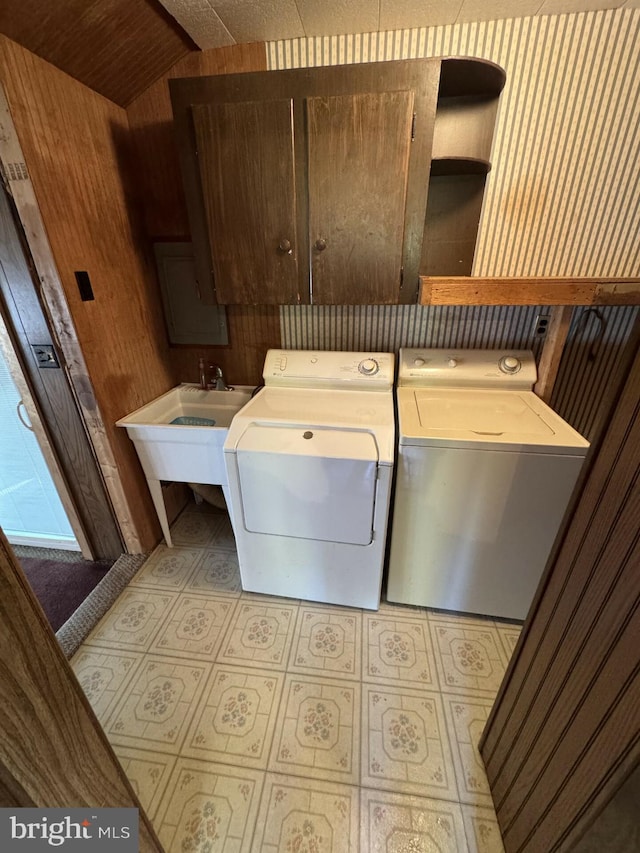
{"x":116,"y":47}
{"x":70,"y":167}
{"x":253,"y":330}
{"x":564,"y":731}
{"x":53,"y":751}
{"x":158,"y":183}
{"x":528,"y":291}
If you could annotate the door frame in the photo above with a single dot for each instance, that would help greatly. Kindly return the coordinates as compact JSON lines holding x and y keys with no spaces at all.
{"x":27,"y":398}
{"x":15,"y":175}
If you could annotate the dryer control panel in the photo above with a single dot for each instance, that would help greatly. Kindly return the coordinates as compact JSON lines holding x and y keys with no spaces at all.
{"x":322,"y":369}
{"x":471,"y":368}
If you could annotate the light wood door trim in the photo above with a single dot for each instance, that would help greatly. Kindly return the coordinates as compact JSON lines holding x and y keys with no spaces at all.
{"x":53,"y":752}
{"x":556,"y":337}
{"x":565,"y":730}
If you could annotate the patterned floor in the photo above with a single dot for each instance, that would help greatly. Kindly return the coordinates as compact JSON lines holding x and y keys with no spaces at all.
{"x":250,"y":723}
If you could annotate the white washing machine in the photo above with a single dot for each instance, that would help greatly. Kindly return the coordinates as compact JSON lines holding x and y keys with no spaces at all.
{"x":485,"y":471}
{"x":310,"y":463}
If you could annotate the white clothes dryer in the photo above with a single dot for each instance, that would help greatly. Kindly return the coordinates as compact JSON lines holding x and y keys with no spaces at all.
{"x":310,"y":463}
{"x":485,"y":471}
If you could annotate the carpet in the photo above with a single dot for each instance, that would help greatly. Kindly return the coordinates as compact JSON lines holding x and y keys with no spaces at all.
{"x":62,"y":585}
{"x":98,"y":586}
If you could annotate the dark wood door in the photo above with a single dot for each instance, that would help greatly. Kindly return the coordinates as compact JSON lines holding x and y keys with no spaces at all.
{"x":247,"y":172}
{"x":358,"y":160}
{"x":53,"y":752}
{"x":565,"y":730}
{"x":24,"y":314}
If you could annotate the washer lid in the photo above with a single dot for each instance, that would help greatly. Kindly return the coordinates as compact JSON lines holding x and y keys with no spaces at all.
{"x":508,"y":420}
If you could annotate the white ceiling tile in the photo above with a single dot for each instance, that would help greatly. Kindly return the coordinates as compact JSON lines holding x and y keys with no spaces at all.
{"x":560,"y":7}
{"x":495,"y":10}
{"x":260,"y":20}
{"x":338,"y":17}
{"x":407,"y":14}
{"x":199,"y":20}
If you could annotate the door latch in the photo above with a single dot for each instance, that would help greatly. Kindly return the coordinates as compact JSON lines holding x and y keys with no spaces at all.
{"x":45,"y":355}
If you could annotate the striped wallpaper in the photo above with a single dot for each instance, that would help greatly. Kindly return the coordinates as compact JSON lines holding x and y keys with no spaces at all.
{"x":562,"y":198}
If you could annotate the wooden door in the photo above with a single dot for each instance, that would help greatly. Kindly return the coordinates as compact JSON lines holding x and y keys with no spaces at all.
{"x":246,"y":161}
{"x":33,"y":341}
{"x":565,"y":730}
{"x":53,"y":752}
{"x":358,"y":163}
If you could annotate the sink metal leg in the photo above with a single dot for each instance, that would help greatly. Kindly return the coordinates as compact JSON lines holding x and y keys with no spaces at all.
{"x":158,"y":501}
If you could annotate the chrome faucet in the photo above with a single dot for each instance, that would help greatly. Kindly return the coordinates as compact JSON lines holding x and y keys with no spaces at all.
{"x":218,"y":382}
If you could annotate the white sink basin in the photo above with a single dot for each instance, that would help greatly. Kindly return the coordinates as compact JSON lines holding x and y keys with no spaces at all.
{"x":182,"y":452}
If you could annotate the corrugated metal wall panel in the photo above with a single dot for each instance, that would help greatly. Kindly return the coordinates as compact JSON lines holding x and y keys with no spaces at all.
{"x":386,"y":328}
{"x":595,"y":345}
{"x":562,"y":199}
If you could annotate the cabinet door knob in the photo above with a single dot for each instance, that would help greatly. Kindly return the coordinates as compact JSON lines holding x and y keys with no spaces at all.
{"x":285,"y":246}
{"x":321,"y":244}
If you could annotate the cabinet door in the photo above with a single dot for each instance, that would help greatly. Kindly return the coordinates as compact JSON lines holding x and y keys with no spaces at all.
{"x":246,"y":162}
{"x":358,"y":150}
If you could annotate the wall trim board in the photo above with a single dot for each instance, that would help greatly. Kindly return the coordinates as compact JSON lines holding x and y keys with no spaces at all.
{"x":441,"y":290}
{"x":20,"y":186}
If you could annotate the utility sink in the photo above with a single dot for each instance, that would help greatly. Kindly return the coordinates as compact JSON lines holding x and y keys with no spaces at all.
{"x":176,"y":441}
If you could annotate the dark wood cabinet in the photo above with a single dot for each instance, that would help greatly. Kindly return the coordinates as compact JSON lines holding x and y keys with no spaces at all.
{"x":311,"y":185}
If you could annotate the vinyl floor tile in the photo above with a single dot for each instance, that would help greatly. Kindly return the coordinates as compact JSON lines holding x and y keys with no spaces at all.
{"x":209,"y":807}
{"x":327,"y":641}
{"x":248,"y":722}
{"x":397,"y":650}
{"x":148,"y":772}
{"x":103,"y":673}
{"x":216,"y":572}
{"x":399,"y":823}
{"x":307,"y":815}
{"x":156,"y":709}
{"x":195,"y":627}
{"x":133,"y":621}
{"x":469,"y":657}
{"x":405,"y":746}
{"x":483,"y":832}
{"x":318,"y":729}
{"x":167,"y":568}
{"x":235,"y":720}
{"x":260,"y":634}
{"x":466,"y":718}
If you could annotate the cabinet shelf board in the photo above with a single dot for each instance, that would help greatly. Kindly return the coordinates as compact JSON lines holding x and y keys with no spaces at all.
{"x":528,"y":291}
{"x":470,"y":76}
{"x":459,"y":166}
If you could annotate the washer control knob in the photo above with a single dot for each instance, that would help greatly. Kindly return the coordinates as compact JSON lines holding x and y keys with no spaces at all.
{"x":368,"y":366}
{"x":509,"y":364}
{"x":452,"y":362}
{"x":418,"y":362}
